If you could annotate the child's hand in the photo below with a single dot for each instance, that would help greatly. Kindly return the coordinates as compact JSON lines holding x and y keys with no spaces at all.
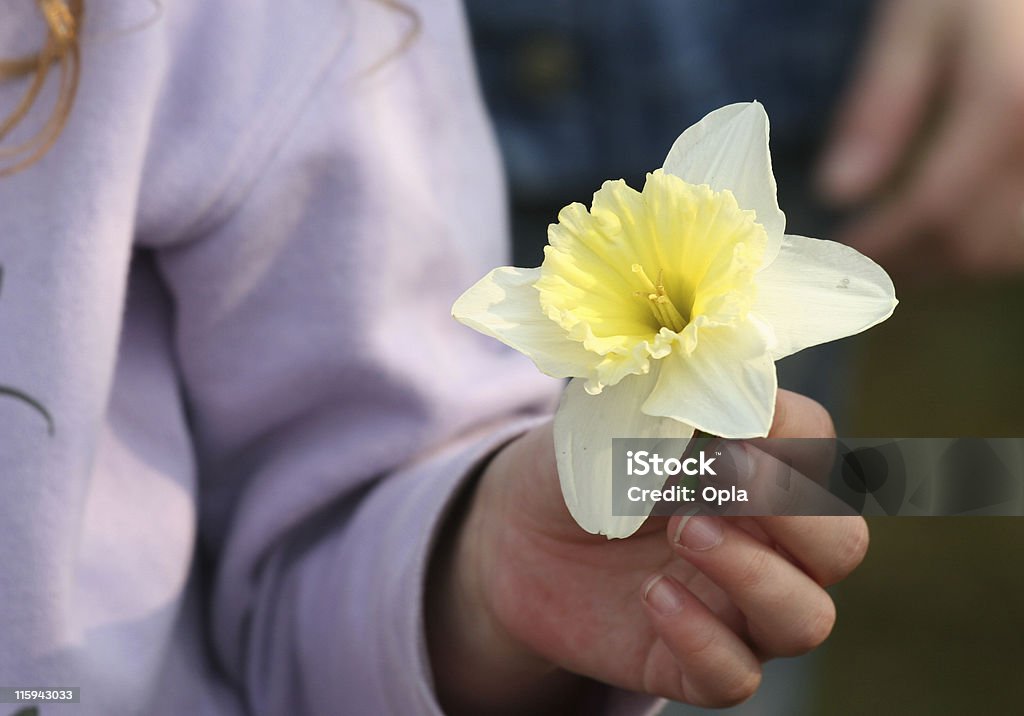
{"x":520,"y":596}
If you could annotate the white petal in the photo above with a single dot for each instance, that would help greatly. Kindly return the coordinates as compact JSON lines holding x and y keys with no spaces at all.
{"x":728,"y":149}
{"x":726,"y":387}
{"x":505,"y":305}
{"x":818,"y":291}
{"x":584,"y":427}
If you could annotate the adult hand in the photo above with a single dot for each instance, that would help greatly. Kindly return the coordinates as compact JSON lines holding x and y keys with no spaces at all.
{"x":930,"y":138}
{"x":521,"y":600}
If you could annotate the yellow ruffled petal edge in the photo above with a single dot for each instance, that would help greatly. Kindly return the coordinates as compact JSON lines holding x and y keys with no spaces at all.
{"x":725,"y":387}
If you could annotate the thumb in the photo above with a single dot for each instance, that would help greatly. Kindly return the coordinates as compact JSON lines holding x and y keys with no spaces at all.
{"x":887,"y":100}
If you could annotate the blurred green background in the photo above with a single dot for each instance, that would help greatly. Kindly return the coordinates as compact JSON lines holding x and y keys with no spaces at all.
{"x":932,"y":623}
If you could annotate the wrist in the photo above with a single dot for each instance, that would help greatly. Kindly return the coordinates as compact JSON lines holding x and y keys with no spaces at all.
{"x":479,"y":666}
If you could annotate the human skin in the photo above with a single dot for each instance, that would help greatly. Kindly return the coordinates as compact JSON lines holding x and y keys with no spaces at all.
{"x":929,"y":142}
{"x":520,"y":600}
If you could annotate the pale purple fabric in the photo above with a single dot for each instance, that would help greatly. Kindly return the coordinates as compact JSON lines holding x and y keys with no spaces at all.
{"x":230,"y":284}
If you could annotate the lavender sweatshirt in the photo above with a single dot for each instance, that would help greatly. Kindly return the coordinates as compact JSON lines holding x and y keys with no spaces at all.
{"x":229,"y":284}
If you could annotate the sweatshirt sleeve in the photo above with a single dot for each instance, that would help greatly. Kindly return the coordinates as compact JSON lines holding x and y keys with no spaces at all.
{"x":358,"y":598}
{"x":335,"y":405}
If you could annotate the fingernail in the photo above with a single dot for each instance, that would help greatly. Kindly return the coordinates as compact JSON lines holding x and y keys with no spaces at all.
{"x":699,"y":533}
{"x":663,"y":595}
{"x":682,"y":524}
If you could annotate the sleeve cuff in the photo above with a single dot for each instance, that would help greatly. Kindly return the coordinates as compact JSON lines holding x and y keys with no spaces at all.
{"x":408,"y":512}
{"x":378,"y":663}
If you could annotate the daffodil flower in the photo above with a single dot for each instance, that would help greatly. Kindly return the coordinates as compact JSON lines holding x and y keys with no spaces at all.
{"x":669,"y":306}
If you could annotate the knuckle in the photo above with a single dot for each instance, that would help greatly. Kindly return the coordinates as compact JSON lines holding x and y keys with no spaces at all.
{"x":820,"y":420}
{"x":727,"y":692}
{"x":702,"y":643}
{"x":816,"y":627}
{"x":849,"y":551}
{"x":853,"y":546}
{"x":799,"y":416}
{"x":757,"y":569}
{"x":741,"y":689}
